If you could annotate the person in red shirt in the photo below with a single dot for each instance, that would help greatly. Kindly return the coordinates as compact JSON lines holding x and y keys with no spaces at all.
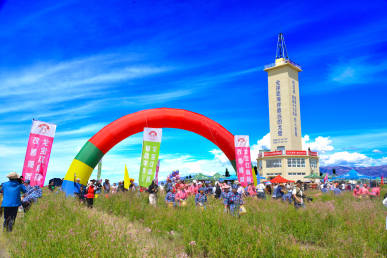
{"x":90,"y":195}
{"x":356,"y":191}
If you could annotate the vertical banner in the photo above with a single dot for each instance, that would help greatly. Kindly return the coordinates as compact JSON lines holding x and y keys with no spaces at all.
{"x":157,"y":172}
{"x":38,"y":152}
{"x":126,"y":178}
{"x":150,"y":155}
{"x":243,"y":159}
{"x":99,"y":170}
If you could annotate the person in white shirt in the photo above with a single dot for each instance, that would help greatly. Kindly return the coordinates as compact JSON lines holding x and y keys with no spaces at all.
{"x":240,"y":190}
{"x":261,"y":191}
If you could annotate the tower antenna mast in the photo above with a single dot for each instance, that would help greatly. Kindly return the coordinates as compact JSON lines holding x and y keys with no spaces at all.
{"x":281,"y":48}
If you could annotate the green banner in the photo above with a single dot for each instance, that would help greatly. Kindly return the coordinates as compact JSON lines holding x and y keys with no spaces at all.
{"x":150,"y":155}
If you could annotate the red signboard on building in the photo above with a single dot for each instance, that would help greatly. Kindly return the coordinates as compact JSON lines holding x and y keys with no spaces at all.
{"x":292,"y":152}
{"x":272,"y":153}
{"x":313,"y":153}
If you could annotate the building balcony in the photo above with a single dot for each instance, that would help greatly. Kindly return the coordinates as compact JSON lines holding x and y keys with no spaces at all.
{"x":281,"y":62}
{"x":288,"y":153}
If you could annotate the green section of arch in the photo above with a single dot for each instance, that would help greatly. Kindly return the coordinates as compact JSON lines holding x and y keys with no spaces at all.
{"x":89,"y":154}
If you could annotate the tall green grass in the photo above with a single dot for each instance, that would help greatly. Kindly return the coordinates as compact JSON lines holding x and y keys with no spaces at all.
{"x":125,"y":225}
{"x":60,"y":227}
{"x":329,"y":226}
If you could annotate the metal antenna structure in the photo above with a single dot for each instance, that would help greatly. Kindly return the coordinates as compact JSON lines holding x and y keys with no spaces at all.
{"x":281,"y":48}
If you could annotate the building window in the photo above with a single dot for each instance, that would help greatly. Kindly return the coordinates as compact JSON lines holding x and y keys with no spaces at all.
{"x":273,"y":174}
{"x":296,"y":174}
{"x":313,"y":163}
{"x":296,"y":162}
{"x":273,"y":163}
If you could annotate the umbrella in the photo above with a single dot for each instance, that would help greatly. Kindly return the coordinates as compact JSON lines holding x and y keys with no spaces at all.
{"x":279,"y":179}
{"x":314,"y":176}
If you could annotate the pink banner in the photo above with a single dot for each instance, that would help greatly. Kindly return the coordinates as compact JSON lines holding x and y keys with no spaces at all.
{"x":243,"y":159}
{"x":38,"y":152}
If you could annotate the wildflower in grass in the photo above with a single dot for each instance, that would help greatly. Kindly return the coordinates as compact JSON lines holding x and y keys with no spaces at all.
{"x":192,"y":243}
{"x":148,"y":230}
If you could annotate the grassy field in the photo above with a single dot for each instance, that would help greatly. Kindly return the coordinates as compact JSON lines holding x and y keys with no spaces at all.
{"x":125,"y":225}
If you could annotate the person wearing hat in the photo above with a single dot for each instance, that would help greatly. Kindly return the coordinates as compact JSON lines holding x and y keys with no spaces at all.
{"x":170,"y":198}
{"x":27,"y":185}
{"x":298,"y":195}
{"x":235,"y":201}
{"x":201,"y":198}
{"x":90,"y":194}
{"x":11,"y":199}
{"x":77,"y":187}
{"x":226,"y":196}
{"x":181,"y":196}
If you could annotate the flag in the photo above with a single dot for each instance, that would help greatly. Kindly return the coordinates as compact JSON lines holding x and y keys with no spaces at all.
{"x":243,"y":160}
{"x":254,"y":177}
{"x":382,"y":180}
{"x":126,"y":179}
{"x":150,"y":155}
{"x":99,"y":170}
{"x":326,"y":178}
{"x":38,"y":152}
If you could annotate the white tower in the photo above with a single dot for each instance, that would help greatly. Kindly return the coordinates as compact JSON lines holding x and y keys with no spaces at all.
{"x":284,"y":101}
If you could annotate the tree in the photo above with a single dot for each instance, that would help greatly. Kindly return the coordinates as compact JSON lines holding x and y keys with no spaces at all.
{"x":227,"y":174}
{"x":256,"y":170}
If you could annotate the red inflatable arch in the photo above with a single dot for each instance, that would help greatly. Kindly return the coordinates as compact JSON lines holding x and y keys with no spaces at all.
{"x":115,"y":132}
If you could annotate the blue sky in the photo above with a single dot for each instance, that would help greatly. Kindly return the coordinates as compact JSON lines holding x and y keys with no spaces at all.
{"x":83,"y":64}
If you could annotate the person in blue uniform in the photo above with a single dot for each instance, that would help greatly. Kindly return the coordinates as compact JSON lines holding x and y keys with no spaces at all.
{"x":11,"y":191}
{"x":170,"y":198}
{"x":201,"y":198}
{"x":235,"y":201}
{"x":31,"y":196}
{"x":226,"y":196}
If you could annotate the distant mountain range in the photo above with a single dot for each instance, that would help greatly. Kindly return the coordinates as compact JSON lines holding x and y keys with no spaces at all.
{"x":368,"y":171}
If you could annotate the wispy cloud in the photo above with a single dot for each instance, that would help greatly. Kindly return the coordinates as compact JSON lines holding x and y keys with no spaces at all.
{"x":357,"y":71}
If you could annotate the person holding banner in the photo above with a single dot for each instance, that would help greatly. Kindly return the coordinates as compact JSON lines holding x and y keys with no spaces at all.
{"x":11,"y":191}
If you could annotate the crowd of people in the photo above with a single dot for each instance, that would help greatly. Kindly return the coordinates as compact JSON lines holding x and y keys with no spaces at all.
{"x":370,"y":190}
{"x":19,"y":193}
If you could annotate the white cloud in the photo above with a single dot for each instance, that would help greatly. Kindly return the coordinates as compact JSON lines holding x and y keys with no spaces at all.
{"x":262,"y":144}
{"x":320,"y":144}
{"x":89,"y":129}
{"x":377,"y":151}
{"x":346,"y":158}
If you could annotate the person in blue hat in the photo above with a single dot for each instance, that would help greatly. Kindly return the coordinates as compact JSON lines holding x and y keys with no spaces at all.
{"x":201,"y":198}
{"x":235,"y":201}
{"x":170,"y":199}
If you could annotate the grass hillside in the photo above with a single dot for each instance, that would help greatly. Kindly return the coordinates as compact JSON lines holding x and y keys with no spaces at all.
{"x":124,"y":225}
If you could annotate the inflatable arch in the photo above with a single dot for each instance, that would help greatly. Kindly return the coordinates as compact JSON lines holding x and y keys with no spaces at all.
{"x":94,"y":149}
